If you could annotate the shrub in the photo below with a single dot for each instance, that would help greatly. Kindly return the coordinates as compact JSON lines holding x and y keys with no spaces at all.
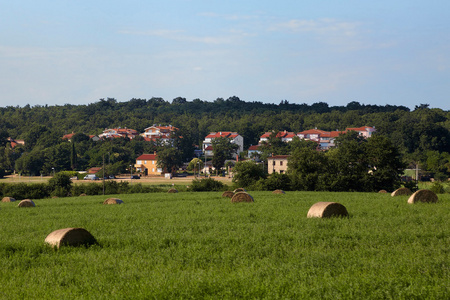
{"x":247,"y":173}
{"x":61,"y":181}
{"x":275,"y":181}
{"x":205,"y":185}
{"x":437,"y":188}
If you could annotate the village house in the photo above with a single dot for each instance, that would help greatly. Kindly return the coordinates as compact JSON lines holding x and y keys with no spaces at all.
{"x":69,"y":136}
{"x":147,"y":164}
{"x":159,"y":133}
{"x":119,"y":133}
{"x":277,"y":164}
{"x":234,"y":137}
{"x":285,"y":136}
{"x":14,"y":143}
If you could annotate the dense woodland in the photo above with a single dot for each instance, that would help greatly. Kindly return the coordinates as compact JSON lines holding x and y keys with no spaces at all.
{"x":421,"y":136}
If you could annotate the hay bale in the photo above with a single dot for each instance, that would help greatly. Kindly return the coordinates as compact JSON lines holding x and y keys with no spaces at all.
{"x":228,"y":194}
{"x":8,"y":199}
{"x":425,"y":196}
{"x":382,"y":191}
{"x":26,"y":203}
{"x":172,"y":190}
{"x":242,"y":197}
{"x":239,"y":190}
{"x":70,"y":237}
{"x":278,"y":192}
{"x":112,"y":201}
{"x":401,"y":192}
{"x":82,"y":195}
{"x":327,"y":210}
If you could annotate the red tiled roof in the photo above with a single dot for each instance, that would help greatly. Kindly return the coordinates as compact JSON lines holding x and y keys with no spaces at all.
{"x":148,"y":157}
{"x":254,"y":147}
{"x":279,"y":157}
{"x":68,"y":136}
{"x":227,"y":134}
{"x":312,"y":131}
{"x":363,"y":128}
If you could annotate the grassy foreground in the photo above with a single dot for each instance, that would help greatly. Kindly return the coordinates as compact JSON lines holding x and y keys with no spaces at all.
{"x":201,"y":246}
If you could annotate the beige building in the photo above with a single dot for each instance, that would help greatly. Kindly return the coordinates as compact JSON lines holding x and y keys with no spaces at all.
{"x":277,"y":164}
{"x":147,"y":164}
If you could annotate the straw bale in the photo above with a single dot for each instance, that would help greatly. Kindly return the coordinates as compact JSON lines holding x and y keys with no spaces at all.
{"x":382,"y":191}
{"x":278,"y":192}
{"x":172,"y":190}
{"x":401,"y":192}
{"x":228,"y":194}
{"x":112,"y":201}
{"x":82,"y":195}
{"x":242,"y":197}
{"x":327,"y":210}
{"x":426,"y":196}
{"x":239,"y":190}
{"x":70,"y":237}
{"x":8,"y":199}
{"x":26,"y":203}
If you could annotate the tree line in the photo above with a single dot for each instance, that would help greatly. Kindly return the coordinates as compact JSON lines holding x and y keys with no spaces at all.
{"x":421,"y":135}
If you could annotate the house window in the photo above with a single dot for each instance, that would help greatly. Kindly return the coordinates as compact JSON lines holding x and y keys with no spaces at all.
{"x":281,"y":171}
{"x":153,"y":162}
{"x":281,"y":163}
{"x":153,"y":169}
{"x":274,"y":163}
{"x":145,"y":162}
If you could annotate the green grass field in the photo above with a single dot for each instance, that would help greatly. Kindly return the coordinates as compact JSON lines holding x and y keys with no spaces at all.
{"x":201,"y":246}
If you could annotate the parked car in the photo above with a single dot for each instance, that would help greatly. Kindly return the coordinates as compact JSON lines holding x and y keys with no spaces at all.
{"x":91,"y":177}
{"x":135,"y":177}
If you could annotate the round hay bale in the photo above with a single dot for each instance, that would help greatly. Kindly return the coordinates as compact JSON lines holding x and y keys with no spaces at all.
{"x":278,"y":192}
{"x":327,"y":210}
{"x":239,"y":190}
{"x":401,"y":192}
{"x":8,"y":199}
{"x":382,"y":191}
{"x":82,"y":195}
{"x":26,"y":203}
{"x":112,"y":201}
{"x":70,"y":237}
{"x":426,"y":196}
{"x":228,"y":194}
{"x":172,"y":190}
{"x":242,"y":197}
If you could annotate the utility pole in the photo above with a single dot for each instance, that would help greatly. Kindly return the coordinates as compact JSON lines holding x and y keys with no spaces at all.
{"x":103,"y":174}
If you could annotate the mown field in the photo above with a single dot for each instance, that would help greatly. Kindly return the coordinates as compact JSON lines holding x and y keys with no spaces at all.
{"x":201,"y":246}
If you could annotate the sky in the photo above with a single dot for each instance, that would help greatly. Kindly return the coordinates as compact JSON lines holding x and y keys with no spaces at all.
{"x":303,"y":51}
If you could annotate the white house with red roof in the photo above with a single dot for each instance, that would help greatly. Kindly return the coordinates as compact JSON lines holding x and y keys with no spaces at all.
{"x":234,"y":137}
{"x":159,"y":133}
{"x":119,"y":133}
{"x":365,"y":131}
{"x":147,"y":164}
{"x":284,"y":135}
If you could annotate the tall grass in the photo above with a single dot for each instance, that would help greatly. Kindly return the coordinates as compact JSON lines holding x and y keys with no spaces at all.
{"x":199,"y":245}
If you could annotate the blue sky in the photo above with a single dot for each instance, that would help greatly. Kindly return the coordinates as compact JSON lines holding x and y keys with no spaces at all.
{"x":374,"y":52}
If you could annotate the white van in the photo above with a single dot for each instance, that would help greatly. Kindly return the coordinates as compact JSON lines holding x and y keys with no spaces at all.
{"x":91,"y":177}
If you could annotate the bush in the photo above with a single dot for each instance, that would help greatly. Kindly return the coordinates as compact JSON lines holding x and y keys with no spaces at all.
{"x":438,"y":188}
{"x":247,"y":173}
{"x":61,"y":181}
{"x":275,"y":181}
{"x":206,"y":185}
{"x":21,"y":191}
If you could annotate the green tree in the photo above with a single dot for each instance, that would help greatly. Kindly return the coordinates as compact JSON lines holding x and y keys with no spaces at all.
{"x":247,"y":173}
{"x":306,"y":168}
{"x":223,"y":149}
{"x":195,"y":165}
{"x":169,"y":159}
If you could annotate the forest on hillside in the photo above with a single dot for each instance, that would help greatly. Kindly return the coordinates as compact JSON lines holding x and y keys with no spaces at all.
{"x":421,"y":135}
